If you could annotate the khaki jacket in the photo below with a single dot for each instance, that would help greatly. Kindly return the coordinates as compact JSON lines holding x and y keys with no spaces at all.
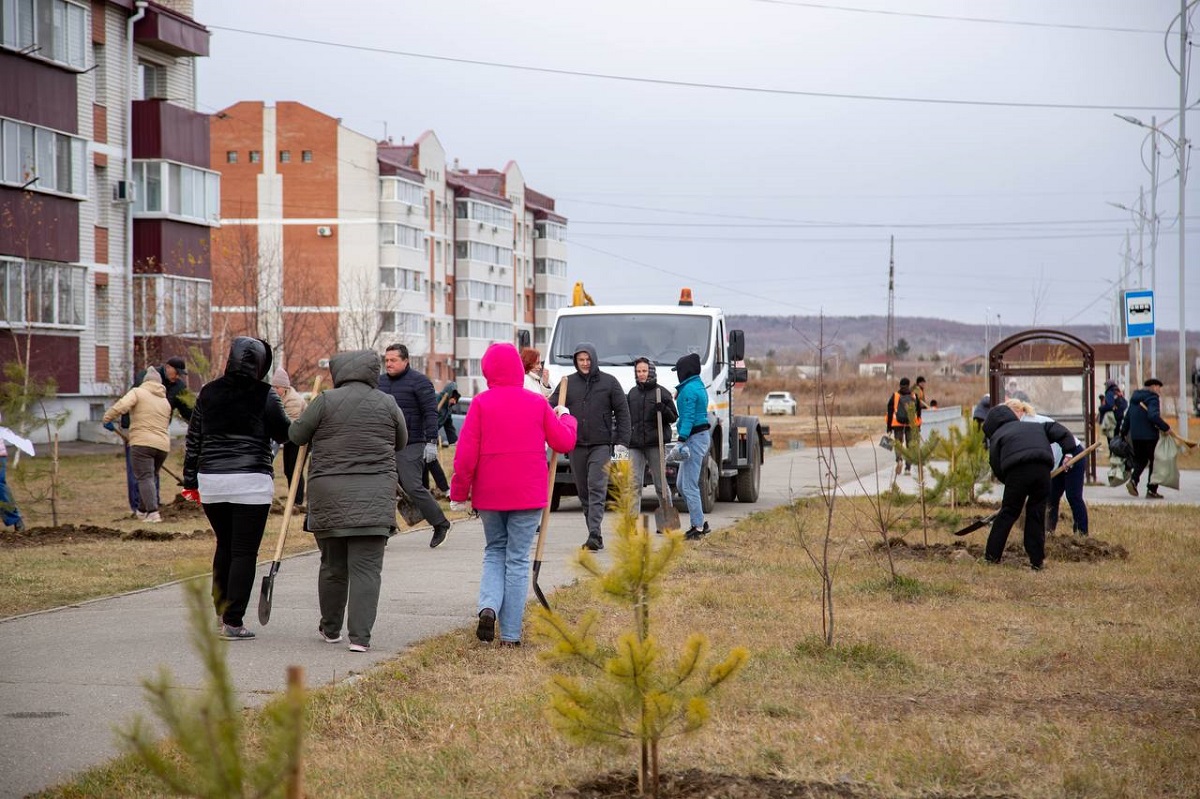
{"x":293,"y":403}
{"x":149,"y":415}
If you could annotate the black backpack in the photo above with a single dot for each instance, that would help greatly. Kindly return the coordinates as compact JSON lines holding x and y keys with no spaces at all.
{"x":906,"y":409}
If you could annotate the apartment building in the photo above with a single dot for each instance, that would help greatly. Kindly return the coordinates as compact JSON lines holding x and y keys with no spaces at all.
{"x":106,"y":199}
{"x":332,"y":241}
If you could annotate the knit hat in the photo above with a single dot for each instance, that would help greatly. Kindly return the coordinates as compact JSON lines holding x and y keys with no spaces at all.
{"x":152,"y":376}
{"x":177,"y":364}
{"x":281,"y":378}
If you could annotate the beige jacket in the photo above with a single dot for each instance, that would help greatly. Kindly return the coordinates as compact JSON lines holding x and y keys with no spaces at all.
{"x":149,"y":413}
{"x":293,"y":403}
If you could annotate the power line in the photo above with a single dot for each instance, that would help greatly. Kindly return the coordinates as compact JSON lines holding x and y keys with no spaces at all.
{"x":695,"y":84}
{"x":955,"y":18}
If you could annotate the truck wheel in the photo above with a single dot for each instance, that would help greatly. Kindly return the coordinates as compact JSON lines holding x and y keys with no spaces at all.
{"x":748,"y":478}
{"x":710,"y":474}
{"x":726,"y":489}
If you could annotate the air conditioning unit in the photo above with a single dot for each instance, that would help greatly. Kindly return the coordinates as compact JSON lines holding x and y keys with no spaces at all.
{"x":124,"y":191}
{"x":324,"y":231}
{"x":503,"y":271}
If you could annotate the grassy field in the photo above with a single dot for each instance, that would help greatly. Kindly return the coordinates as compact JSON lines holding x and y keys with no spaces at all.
{"x":963,"y":680}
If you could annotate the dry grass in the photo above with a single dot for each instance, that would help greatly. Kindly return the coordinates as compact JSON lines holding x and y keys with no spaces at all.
{"x":1079,"y":681}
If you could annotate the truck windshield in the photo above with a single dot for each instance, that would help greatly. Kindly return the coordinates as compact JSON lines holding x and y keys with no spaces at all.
{"x":620,"y":338}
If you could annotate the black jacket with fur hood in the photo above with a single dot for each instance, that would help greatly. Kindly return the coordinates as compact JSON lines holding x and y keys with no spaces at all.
{"x":236,"y":417}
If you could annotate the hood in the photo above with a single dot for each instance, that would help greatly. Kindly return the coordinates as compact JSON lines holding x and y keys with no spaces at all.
{"x":590,"y":349}
{"x":687,"y":366}
{"x":248,"y":357}
{"x":280,"y":378}
{"x":152,"y":376}
{"x":356,"y":366}
{"x":652,"y":378}
{"x":904,"y":390}
{"x":998,"y":417}
{"x":501,"y":365}
{"x":1142,"y":395}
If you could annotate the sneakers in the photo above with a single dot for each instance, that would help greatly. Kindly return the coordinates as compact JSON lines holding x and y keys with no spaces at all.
{"x":695,"y":534}
{"x":1131,"y":487}
{"x":360,"y":647}
{"x":486,"y":631}
{"x":510,"y":643}
{"x":153,"y":517}
{"x":1153,"y":494}
{"x":235,"y":633}
{"x":593,"y":544}
{"x":329,"y":639}
{"x":439,"y":534}
{"x":19,"y":527}
{"x":1037,"y":567}
{"x":907,"y":469}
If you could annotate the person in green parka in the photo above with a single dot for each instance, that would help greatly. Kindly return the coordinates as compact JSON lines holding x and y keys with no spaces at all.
{"x":353,"y":432}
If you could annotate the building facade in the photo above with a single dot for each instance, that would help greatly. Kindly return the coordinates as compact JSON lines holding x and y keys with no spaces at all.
{"x":106,"y":199}
{"x":332,"y":241}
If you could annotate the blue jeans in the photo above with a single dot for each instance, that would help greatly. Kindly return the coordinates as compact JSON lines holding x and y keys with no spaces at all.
{"x":504,"y":585}
{"x":8,"y":508}
{"x":687,"y":479}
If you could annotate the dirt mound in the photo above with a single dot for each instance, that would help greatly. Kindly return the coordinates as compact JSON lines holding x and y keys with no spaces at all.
{"x":696,"y":784}
{"x":1061,"y":548}
{"x":78,"y":533}
{"x":179,"y":509}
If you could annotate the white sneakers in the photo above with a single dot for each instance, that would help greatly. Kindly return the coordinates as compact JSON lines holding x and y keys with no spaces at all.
{"x":153,"y":517}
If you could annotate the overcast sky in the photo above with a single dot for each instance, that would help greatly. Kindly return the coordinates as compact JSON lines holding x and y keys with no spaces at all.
{"x":752,"y":184}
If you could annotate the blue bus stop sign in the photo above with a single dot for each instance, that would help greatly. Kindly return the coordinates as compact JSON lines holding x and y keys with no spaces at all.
{"x":1139,"y":313}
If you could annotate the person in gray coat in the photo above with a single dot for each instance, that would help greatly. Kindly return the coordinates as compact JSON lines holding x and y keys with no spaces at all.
{"x":353,"y":432}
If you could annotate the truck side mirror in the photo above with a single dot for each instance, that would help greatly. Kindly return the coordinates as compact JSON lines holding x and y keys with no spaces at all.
{"x":739,"y":374}
{"x":737,"y":346}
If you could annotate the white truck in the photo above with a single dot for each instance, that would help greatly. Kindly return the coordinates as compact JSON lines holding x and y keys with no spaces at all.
{"x":664,"y":333}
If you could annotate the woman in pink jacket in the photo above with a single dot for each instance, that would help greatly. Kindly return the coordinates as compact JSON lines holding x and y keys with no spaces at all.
{"x":500,"y":466}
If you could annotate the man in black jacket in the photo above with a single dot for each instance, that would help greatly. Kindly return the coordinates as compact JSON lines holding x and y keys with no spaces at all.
{"x":418,"y":402}
{"x":1021,"y":459}
{"x":1142,"y":423}
{"x":601,"y":411}
{"x":647,"y":402}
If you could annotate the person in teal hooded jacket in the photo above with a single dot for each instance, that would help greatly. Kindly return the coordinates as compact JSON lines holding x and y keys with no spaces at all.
{"x":695,"y":438}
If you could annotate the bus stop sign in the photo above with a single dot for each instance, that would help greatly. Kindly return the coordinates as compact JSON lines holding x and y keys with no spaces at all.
{"x":1139,"y":313}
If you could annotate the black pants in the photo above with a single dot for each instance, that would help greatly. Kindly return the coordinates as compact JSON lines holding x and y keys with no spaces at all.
{"x":1143,"y":459}
{"x":434,"y":469}
{"x":239,"y":531}
{"x":290,"y":453}
{"x":1025,"y":486}
{"x":904,"y":435}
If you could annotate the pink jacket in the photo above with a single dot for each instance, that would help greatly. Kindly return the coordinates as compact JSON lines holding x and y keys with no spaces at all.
{"x":500,"y":463}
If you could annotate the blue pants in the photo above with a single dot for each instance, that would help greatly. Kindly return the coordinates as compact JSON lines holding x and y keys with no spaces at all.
{"x":1070,"y":483}
{"x":687,"y":479}
{"x":8,"y":508}
{"x":504,"y":585}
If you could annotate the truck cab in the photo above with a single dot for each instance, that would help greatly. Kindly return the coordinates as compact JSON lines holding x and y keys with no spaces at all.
{"x":665,"y":333}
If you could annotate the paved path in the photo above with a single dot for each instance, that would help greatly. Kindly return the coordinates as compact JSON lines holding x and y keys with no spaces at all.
{"x":67,"y":676}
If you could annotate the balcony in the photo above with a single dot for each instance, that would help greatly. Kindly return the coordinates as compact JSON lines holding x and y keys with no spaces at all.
{"x":170,"y":32}
{"x":162,"y":130}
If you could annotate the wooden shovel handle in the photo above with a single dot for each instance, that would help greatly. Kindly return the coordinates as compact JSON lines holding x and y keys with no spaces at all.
{"x":552,"y":471}
{"x":293,"y":484}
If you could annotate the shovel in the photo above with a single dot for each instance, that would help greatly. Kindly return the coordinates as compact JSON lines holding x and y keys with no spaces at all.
{"x":986,"y":520}
{"x":125,"y":437}
{"x":667,"y":517}
{"x":268,"y":581}
{"x":541,"y":539}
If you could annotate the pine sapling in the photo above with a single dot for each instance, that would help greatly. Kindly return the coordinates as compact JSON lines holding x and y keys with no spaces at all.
{"x":629,"y":692}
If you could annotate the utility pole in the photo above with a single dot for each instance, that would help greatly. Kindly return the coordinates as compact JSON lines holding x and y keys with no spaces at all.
{"x":1154,"y":235}
{"x":1184,"y":409}
{"x":891,"y":320}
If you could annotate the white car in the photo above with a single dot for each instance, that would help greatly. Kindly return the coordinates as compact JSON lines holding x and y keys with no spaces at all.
{"x":779,"y":402}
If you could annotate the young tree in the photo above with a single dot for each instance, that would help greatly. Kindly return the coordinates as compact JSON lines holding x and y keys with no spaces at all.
{"x":634,"y":694}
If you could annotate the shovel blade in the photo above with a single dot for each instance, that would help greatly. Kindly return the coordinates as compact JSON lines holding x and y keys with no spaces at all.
{"x":975,"y":525}
{"x":537,"y":589}
{"x":264,"y":597}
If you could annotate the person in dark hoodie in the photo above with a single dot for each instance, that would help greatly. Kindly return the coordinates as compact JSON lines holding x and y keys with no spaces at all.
{"x":646,"y":401}
{"x":695,"y":437}
{"x":1021,"y":459}
{"x":227,"y":468}
{"x":980,"y":411}
{"x":1113,"y":402}
{"x":1142,"y":423}
{"x":353,"y":432}
{"x":601,"y":411}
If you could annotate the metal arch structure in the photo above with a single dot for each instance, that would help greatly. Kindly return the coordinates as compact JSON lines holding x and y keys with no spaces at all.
{"x":1081,"y":363}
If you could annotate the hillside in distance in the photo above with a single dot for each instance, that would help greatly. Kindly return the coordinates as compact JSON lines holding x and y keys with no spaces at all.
{"x":796,"y":338}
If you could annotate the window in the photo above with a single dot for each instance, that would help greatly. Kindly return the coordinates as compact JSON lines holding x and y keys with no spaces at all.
{"x":154,"y":80}
{"x":485,"y":292}
{"x":57,"y":161}
{"x":58,"y":29}
{"x":400,"y":279}
{"x":306,"y":156}
{"x":483,"y":329}
{"x":550,"y":302}
{"x":166,"y":305}
{"x":231,"y":156}
{"x":393,"y":322}
{"x":285,"y":156}
{"x":484,"y":213}
{"x":402,"y":236}
{"x":550,"y":266}
{"x":255,"y":156}
{"x":42,"y":293}
{"x":177,"y":190}
{"x":403,"y":191}
{"x":487,"y":253}
{"x":551,"y":230}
